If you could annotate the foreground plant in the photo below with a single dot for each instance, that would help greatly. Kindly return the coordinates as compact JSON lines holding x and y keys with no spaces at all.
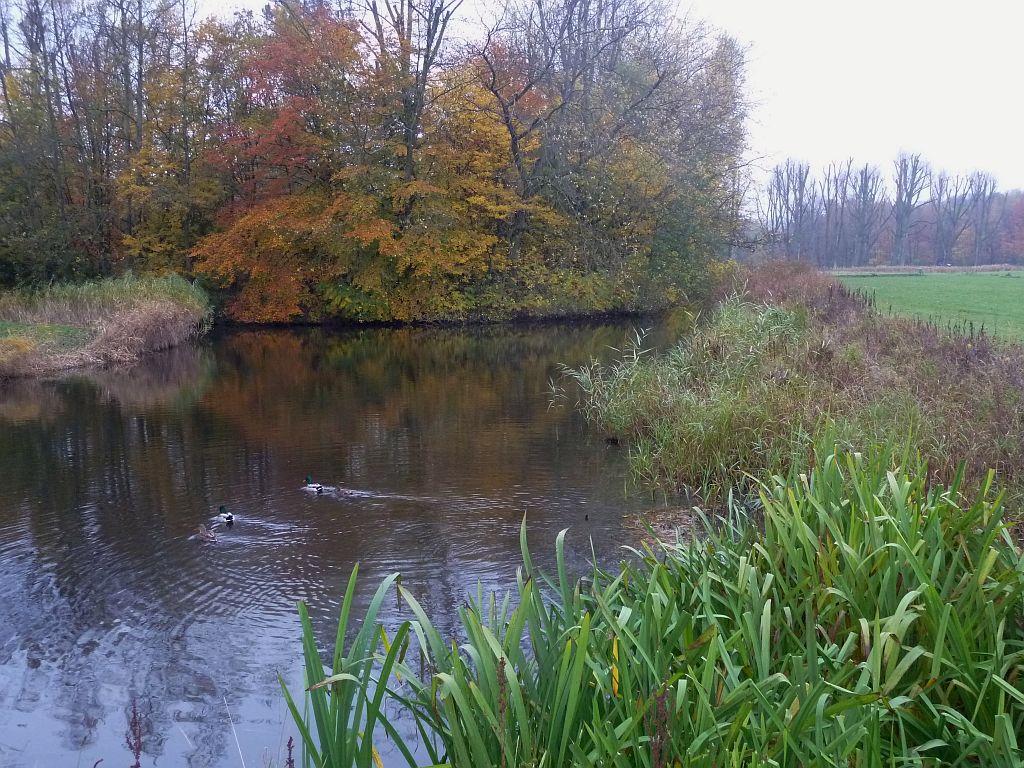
{"x":870,"y":619}
{"x":347,"y":705}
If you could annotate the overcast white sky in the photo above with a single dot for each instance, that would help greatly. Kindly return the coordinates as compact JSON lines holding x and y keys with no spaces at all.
{"x":870,"y":78}
{"x":831,"y":79}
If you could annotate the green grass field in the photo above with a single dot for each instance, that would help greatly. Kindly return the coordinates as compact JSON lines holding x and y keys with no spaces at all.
{"x":992,"y":299}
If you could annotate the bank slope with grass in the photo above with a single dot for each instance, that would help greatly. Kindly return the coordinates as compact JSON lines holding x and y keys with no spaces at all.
{"x":796,"y":356}
{"x":94,"y":324}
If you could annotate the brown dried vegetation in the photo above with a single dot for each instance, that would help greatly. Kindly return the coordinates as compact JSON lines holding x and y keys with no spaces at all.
{"x":96,"y":324}
{"x":967,"y":385}
{"x":794,"y":357}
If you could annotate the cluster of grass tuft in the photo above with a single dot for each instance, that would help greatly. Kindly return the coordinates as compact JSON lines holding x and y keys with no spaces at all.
{"x":792,"y":356}
{"x":867,"y":618}
{"x":110,"y":321}
{"x":712,"y":408}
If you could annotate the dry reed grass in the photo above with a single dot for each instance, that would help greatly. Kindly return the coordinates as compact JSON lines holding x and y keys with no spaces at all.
{"x":97,"y":324}
{"x":796,"y":355}
{"x":967,"y":385}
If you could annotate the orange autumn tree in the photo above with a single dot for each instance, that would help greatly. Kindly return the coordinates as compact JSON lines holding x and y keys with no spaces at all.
{"x":370,"y":177}
{"x":277,"y":148}
{"x":323,"y":212}
{"x":445,"y":234}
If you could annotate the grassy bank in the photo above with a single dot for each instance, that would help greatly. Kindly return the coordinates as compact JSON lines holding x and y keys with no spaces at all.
{"x":797,"y":355}
{"x":870,"y":618}
{"x":993,"y":300}
{"x":107,"y":322}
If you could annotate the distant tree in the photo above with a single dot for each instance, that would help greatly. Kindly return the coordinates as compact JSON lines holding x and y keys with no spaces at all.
{"x":846,"y":217}
{"x":1012,"y":227}
{"x":832,"y":249}
{"x":985,"y":209}
{"x":951,"y":201}
{"x":869,"y":210}
{"x":790,"y":212}
{"x":910,"y":180}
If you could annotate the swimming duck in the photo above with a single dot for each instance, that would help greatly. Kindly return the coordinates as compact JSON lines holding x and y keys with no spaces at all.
{"x":206,"y":534}
{"x":227,"y":517}
{"x":318,"y":488}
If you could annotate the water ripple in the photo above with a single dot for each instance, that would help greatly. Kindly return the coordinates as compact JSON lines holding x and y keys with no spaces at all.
{"x":107,"y":596}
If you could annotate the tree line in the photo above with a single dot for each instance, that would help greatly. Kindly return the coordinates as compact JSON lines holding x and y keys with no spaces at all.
{"x":854,"y":216}
{"x":365,"y":160}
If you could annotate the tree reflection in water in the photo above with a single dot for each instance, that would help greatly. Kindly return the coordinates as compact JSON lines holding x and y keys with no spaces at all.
{"x":104,"y":597}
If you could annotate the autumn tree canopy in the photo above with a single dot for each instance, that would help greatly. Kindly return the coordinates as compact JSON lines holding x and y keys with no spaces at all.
{"x":388,"y":159}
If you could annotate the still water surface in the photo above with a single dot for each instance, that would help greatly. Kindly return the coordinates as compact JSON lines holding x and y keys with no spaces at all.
{"x":106,"y":595}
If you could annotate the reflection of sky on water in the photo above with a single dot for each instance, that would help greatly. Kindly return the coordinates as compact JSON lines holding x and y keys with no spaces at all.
{"x":105,"y":594}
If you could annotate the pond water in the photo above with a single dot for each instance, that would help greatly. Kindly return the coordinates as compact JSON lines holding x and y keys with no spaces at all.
{"x":107,"y":597}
